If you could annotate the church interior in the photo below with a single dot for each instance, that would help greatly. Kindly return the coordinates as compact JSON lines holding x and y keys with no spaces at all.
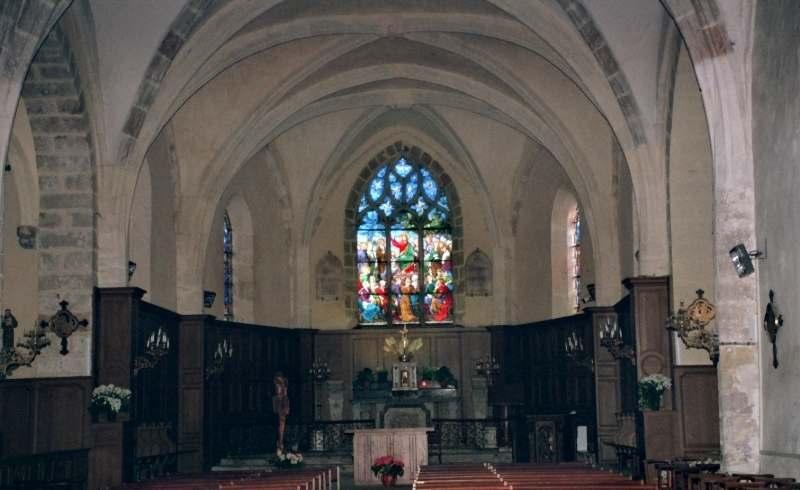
{"x":288,"y":241}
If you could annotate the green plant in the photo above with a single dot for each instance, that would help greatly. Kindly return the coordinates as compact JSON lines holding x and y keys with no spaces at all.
{"x":388,"y":465}
{"x":651,"y":388}
{"x":445,"y":377}
{"x":364,"y":377}
{"x":428,"y":373}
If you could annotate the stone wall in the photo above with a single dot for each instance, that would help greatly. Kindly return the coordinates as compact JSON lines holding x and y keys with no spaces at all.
{"x":776,"y":82}
{"x":66,"y":238}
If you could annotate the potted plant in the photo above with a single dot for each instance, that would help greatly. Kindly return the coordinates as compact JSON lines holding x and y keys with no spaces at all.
{"x":445,"y":377}
{"x":388,"y":468}
{"x":287,"y":459}
{"x":428,"y":377}
{"x":363,"y":379}
{"x":382,"y":379}
{"x":108,"y":401}
{"x":651,"y":389}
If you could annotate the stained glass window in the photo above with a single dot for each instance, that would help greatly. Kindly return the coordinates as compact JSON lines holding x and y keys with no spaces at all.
{"x":403,"y":248}
{"x":227,"y":248}
{"x":574,"y":258}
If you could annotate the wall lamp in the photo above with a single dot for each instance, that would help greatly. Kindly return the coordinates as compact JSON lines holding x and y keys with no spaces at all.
{"x":208,"y":298}
{"x":742,"y":259}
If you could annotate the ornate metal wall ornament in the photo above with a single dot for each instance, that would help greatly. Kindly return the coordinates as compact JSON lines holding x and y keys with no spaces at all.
{"x":691,"y":325}
{"x":26,"y":235}
{"x":611,"y":339}
{"x":63,"y":324}
{"x":488,"y":367}
{"x":773,"y":321}
{"x":576,"y":352}
{"x":222,"y":354}
{"x":156,"y":347}
{"x":34,"y":341}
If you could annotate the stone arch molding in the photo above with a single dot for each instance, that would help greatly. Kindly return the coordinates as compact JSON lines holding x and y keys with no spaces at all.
{"x":387,"y":155}
{"x":359,"y":135}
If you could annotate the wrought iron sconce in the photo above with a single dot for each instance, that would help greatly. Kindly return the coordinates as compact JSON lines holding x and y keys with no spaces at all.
{"x":487,"y":366}
{"x":222,"y":354}
{"x":742,"y":259}
{"x":63,"y":324}
{"x":319,"y":371}
{"x":576,"y":352}
{"x":208,"y":298}
{"x":12,"y":358}
{"x":156,"y":347}
{"x":611,"y":339}
{"x":773,"y":321}
{"x":690,"y":325}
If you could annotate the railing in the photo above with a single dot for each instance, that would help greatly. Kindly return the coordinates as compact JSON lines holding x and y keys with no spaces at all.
{"x":325,"y":435}
{"x":469,"y":434}
{"x":66,"y":470}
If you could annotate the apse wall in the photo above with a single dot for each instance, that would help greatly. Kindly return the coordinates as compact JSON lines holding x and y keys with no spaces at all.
{"x":776,"y":83}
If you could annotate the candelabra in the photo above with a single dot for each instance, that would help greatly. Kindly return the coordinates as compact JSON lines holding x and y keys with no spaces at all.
{"x":222,"y":354}
{"x":611,"y":339}
{"x":487,"y":366}
{"x":319,"y":371}
{"x":573,"y":347}
{"x":12,"y":358}
{"x":690,"y":325}
{"x":156,"y":347}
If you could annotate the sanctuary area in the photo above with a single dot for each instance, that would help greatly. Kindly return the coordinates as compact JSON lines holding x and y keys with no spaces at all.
{"x":321,"y":244}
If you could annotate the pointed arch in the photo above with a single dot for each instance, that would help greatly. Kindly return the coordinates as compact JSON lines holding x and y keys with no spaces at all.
{"x":563,"y":300}
{"x":240,"y":224}
{"x":431,"y":218}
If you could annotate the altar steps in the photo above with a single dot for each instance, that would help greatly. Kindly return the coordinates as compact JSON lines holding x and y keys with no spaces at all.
{"x":345,"y":460}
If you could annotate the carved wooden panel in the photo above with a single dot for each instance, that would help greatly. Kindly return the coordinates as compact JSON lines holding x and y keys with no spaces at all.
{"x":44,"y":415}
{"x":697,"y":402}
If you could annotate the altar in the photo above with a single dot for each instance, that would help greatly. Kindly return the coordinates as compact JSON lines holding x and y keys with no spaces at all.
{"x":409,"y":444}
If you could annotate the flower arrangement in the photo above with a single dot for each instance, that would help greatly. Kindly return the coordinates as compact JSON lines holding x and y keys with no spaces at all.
{"x":111,"y":399}
{"x":388,"y":465}
{"x":651,"y":388}
{"x":287,"y":459}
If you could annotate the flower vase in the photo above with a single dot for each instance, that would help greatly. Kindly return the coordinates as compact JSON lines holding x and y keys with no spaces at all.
{"x":388,"y":480}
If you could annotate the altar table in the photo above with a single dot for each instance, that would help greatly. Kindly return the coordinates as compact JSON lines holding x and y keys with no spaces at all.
{"x":410,"y":445}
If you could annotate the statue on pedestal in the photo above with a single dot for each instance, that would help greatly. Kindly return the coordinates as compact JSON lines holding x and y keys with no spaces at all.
{"x":280,"y":405}
{"x":9,"y":324}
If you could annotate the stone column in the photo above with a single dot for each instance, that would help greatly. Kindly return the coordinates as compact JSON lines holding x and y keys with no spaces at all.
{"x":191,"y":385}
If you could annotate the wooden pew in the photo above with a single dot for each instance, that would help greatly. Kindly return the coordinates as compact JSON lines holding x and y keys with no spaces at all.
{"x":305,"y":479}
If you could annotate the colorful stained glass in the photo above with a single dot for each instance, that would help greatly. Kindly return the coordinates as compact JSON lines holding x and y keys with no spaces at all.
{"x":227,"y":250}
{"x":411,"y":281}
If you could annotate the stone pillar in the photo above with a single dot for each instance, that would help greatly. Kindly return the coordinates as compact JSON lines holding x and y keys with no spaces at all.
{"x":607,"y":387}
{"x":191,"y":386}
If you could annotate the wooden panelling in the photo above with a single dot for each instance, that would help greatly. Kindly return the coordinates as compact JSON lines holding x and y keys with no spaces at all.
{"x":536,"y":372}
{"x":238,"y":410}
{"x":44,"y":415}
{"x":349,"y":351}
{"x":696,"y":399}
